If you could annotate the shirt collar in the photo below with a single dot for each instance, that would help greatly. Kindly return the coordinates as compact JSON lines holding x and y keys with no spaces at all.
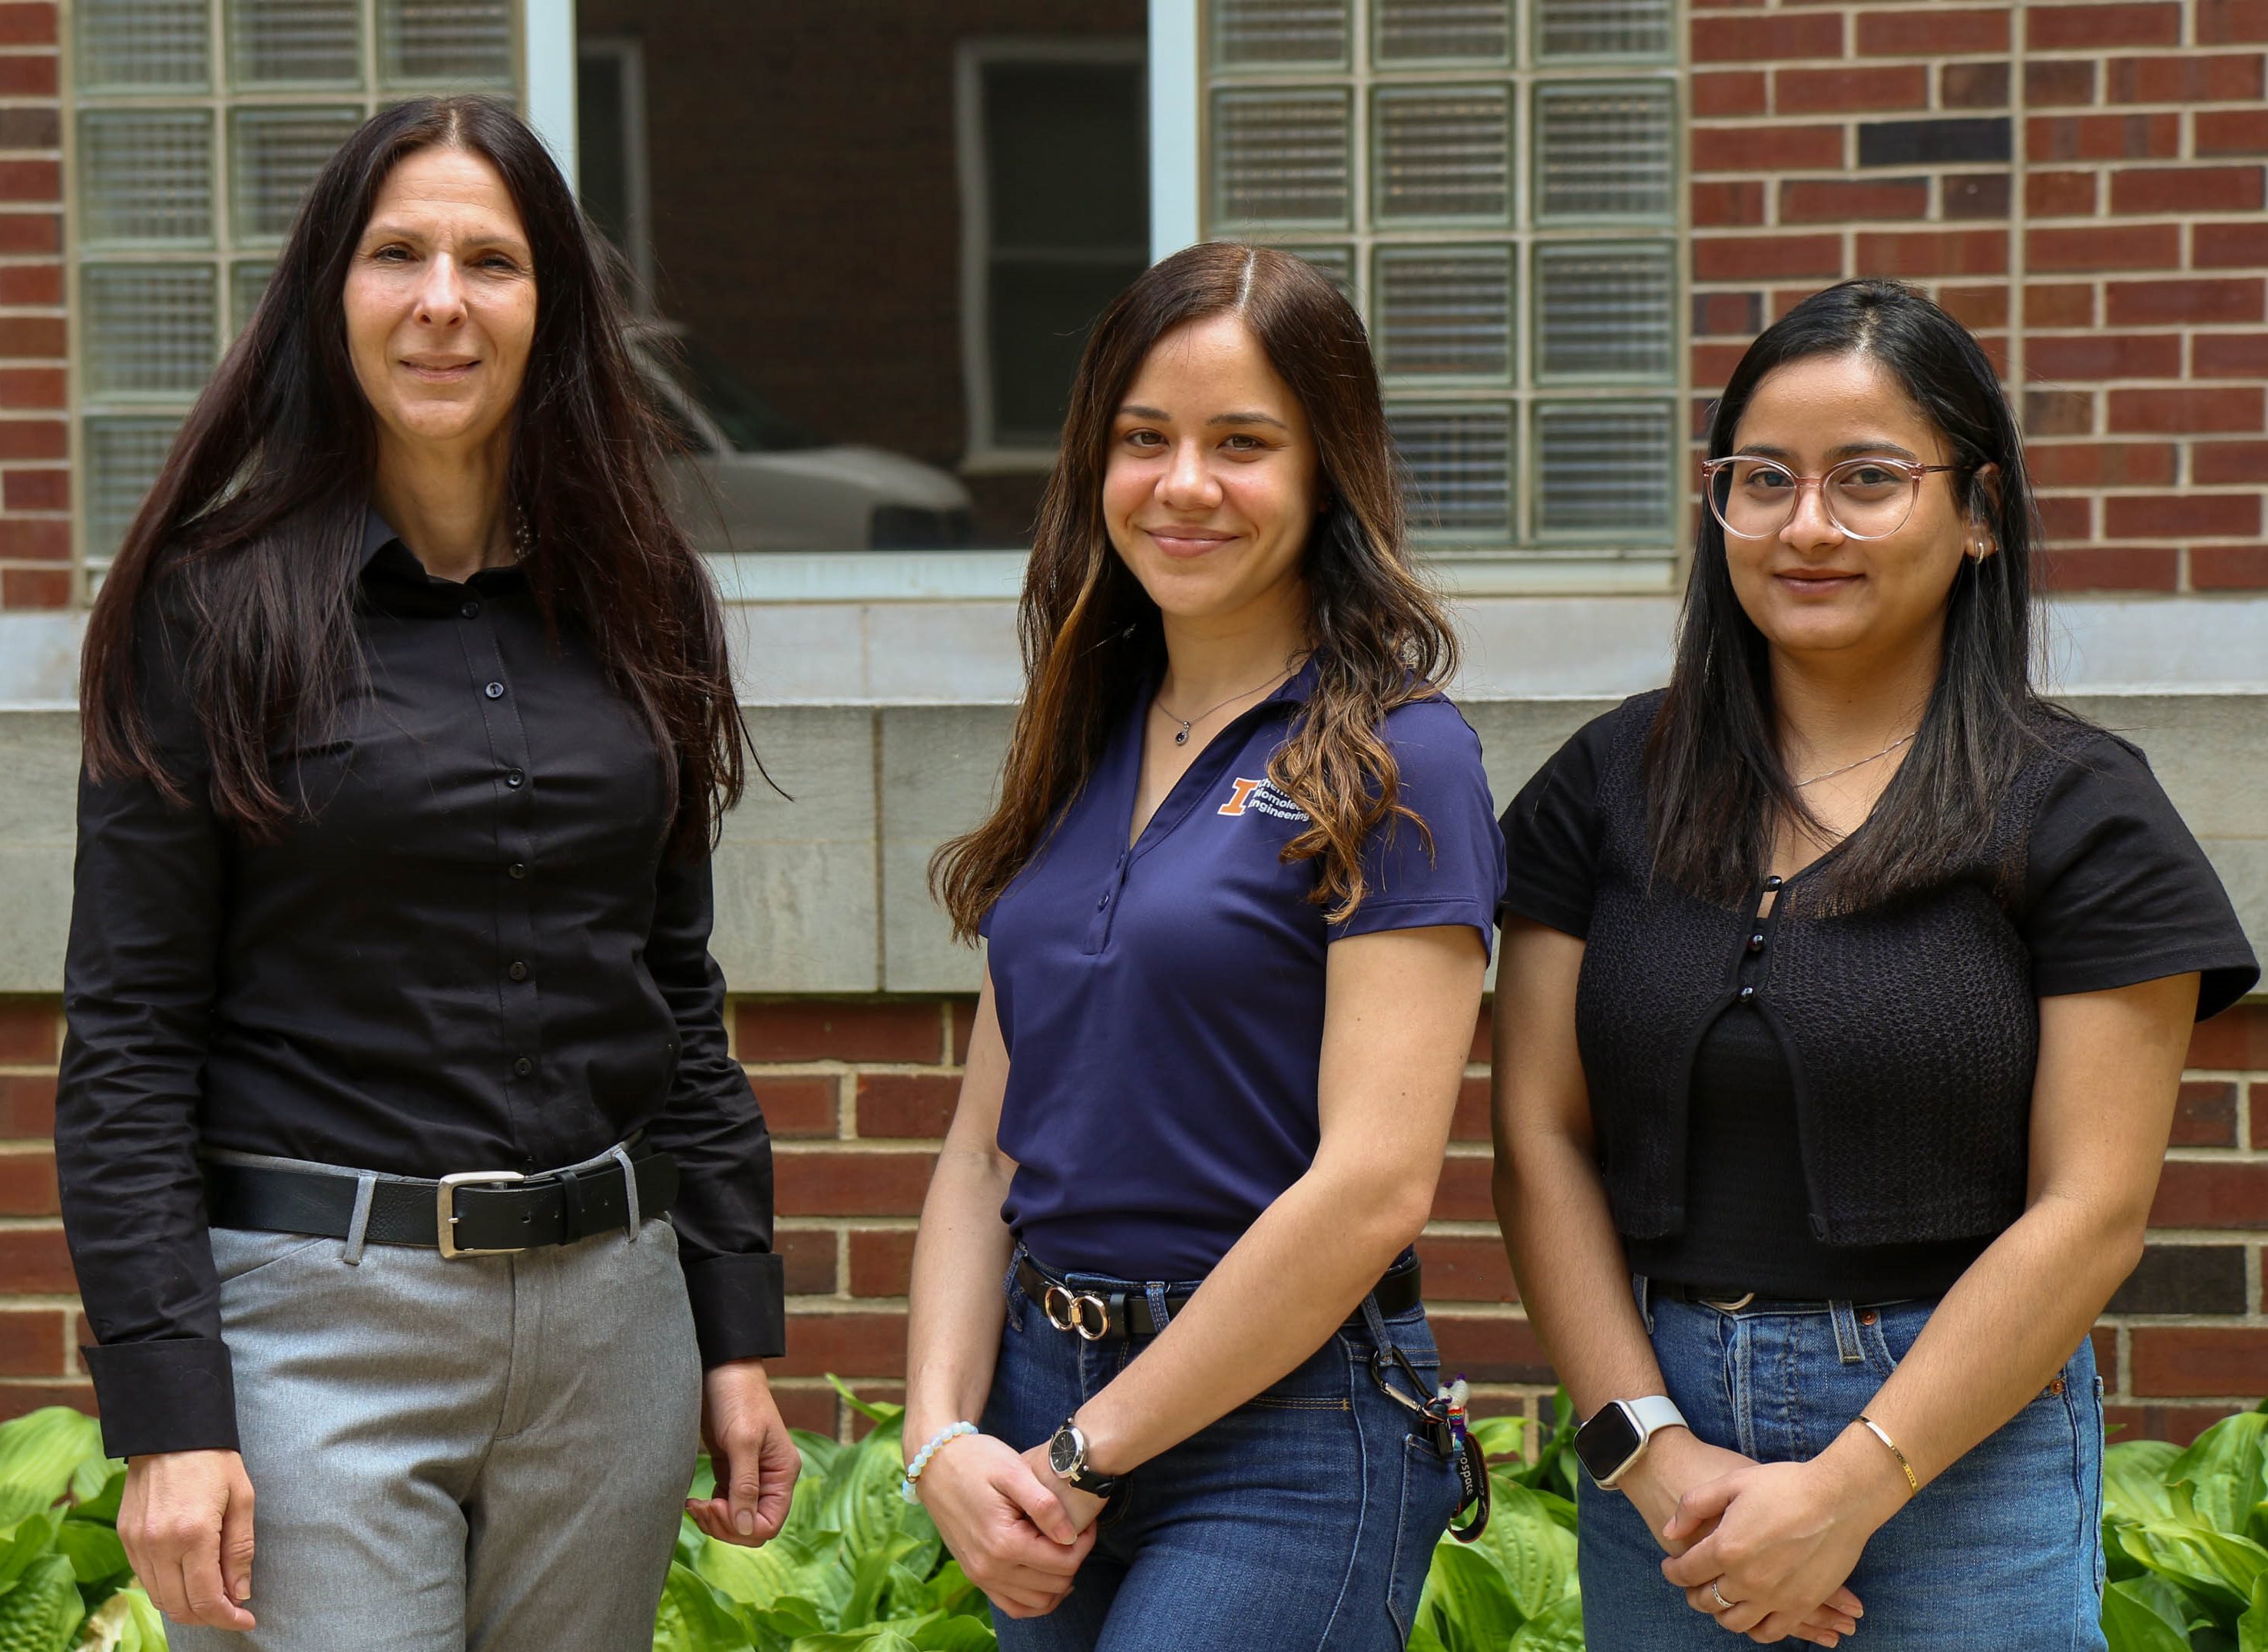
{"x":376,"y":534}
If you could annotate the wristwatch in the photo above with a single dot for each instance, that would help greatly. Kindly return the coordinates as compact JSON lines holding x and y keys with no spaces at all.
{"x":1067,"y":1457}
{"x":1617,"y":1432}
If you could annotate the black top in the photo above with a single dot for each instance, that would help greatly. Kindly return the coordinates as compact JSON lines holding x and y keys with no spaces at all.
{"x":473,"y":957}
{"x":2108,"y":888}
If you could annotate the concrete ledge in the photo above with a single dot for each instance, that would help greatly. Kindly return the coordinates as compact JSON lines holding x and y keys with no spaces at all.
{"x":827,"y":893}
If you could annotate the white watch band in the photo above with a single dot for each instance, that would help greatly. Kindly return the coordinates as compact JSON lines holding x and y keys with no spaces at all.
{"x":1655,"y":1413}
{"x":1650,"y":1415}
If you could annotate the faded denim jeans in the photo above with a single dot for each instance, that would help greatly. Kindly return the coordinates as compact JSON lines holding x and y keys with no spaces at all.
{"x":2003,"y":1550}
{"x":1304,"y":1521}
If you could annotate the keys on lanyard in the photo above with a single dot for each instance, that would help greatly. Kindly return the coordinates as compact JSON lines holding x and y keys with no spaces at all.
{"x":1438,"y":1420}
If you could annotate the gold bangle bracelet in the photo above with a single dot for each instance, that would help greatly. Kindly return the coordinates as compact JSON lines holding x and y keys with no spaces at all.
{"x":1913,"y":1480}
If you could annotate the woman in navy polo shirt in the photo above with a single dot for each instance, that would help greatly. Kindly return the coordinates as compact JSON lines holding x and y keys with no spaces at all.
{"x":1238,"y":890}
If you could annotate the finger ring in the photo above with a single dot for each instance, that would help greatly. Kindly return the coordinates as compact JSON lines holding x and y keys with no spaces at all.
{"x":1722,"y":1603}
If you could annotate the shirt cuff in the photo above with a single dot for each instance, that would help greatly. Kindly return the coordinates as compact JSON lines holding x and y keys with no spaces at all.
{"x":175,"y":1395}
{"x":740,"y":1307}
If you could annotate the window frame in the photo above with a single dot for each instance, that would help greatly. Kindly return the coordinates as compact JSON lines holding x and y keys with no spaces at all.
{"x":984,"y":453}
{"x":531,"y":25}
{"x":1528,"y":560}
{"x":628,"y":53}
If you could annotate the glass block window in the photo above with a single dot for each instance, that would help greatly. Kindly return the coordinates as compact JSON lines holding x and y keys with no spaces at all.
{"x":1494,"y":184}
{"x":199,"y":125}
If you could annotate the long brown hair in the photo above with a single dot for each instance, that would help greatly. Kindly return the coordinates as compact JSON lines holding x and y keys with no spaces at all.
{"x":1379,"y":636}
{"x":249,"y":540}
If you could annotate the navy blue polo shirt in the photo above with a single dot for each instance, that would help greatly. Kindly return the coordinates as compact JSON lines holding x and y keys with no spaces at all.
{"x":1163,"y":1004}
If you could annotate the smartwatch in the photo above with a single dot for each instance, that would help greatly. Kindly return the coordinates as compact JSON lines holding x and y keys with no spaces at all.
{"x":1617,"y":1433}
{"x":1067,"y":1457}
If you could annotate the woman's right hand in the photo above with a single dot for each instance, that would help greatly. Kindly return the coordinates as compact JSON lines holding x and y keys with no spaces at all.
{"x":186,"y":1519}
{"x":1677,"y":1460}
{"x":1010,"y":1533}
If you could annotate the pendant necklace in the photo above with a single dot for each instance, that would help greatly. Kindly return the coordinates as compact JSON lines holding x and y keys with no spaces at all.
{"x":1862,"y":762}
{"x":1182,"y":734}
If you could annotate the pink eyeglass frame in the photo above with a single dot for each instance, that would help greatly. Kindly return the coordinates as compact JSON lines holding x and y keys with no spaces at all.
{"x":1912,"y":472}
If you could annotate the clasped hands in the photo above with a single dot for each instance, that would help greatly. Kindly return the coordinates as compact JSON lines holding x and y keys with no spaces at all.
{"x":1020,"y":1532}
{"x":1776,"y":1540}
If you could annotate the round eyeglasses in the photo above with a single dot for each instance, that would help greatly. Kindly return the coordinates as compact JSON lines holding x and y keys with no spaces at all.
{"x":1866,"y":498}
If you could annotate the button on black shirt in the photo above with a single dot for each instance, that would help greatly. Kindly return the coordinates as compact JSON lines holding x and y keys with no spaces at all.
{"x":439,"y":970}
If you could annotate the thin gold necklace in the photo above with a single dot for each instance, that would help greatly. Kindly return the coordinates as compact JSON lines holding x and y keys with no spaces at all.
{"x":1182,"y":734}
{"x":1862,"y":762}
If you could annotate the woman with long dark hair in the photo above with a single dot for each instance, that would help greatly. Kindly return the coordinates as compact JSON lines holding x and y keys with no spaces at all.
{"x":408,"y":1181}
{"x":1846,"y":990}
{"x":1238,"y":890}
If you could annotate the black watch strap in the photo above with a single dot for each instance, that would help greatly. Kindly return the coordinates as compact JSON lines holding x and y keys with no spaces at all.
{"x":1067,"y":1457}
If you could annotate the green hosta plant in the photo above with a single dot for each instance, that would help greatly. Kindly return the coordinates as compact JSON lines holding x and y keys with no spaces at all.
{"x":2184,"y":1534}
{"x":64,"y":1583}
{"x":1514,"y":1590}
{"x":856,"y":1568}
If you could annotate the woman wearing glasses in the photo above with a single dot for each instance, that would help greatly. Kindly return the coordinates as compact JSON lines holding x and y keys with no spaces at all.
{"x":1845,"y":993}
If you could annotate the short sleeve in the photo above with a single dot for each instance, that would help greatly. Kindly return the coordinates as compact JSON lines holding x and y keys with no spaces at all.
{"x":1453,"y":871}
{"x":2117,"y":890}
{"x":1552,"y":836}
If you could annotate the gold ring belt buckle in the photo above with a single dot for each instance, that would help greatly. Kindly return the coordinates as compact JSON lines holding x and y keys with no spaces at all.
{"x":1732,"y":1307}
{"x":1075,"y":1309}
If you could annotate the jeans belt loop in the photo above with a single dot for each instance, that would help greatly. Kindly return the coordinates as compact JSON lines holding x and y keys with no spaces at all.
{"x":621,"y":1156}
{"x":1160,"y":1314}
{"x":358,"y":1227}
{"x":1847,"y":1346}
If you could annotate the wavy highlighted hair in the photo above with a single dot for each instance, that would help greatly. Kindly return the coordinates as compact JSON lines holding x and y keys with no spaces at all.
{"x":1377,"y":631}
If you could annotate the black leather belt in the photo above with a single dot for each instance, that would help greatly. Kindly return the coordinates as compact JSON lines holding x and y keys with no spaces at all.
{"x":1116,"y":1316}
{"x":485,"y":1211}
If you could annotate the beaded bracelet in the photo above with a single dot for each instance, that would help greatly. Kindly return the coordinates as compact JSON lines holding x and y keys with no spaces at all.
{"x":910,"y":1490}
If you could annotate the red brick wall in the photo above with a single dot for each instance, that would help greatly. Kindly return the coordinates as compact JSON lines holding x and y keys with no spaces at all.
{"x":857,"y":1091}
{"x":34,"y":480}
{"x":2082,"y":183}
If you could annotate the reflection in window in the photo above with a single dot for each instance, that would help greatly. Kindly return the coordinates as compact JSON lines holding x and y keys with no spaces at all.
{"x":1056,"y":221}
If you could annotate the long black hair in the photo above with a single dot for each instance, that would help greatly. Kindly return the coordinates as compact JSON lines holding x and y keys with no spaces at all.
{"x":252,"y":533}
{"x":1716,"y":787}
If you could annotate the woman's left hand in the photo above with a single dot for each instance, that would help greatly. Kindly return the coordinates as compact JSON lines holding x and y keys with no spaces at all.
{"x":1082,"y":1506}
{"x":751,"y":1453}
{"x":1787,"y":1536}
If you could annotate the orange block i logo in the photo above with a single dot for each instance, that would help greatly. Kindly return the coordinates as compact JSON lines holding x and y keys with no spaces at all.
{"x":1258,"y":797}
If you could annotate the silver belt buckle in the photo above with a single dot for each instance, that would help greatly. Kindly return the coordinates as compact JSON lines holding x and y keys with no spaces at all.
{"x":444,"y":1212}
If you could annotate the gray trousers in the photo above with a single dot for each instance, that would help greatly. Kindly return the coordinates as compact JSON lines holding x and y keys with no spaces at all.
{"x":487,"y":1453}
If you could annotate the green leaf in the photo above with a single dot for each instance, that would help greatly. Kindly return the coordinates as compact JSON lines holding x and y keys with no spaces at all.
{"x":2134,"y":1480}
{"x":1536,"y":1553}
{"x":102,"y":1503}
{"x":96,"y":1554}
{"x":954,"y":1633}
{"x":2252,"y":1627}
{"x":40,"y":1453}
{"x":1505,"y":1439}
{"x":821,"y":1454}
{"x":861,"y":1498}
{"x":798,"y":1564}
{"x":695,"y":1617}
{"x":2133,"y":1624}
{"x":44,"y":1608}
{"x":1559,"y":1629}
{"x":1474,"y":1596}
{"x":2223,"y":1469}
{"x":2217,"y":1569}
{"x":873,"y":1411}
{"x":25,"y":1542}
{"x":874,"y":1640}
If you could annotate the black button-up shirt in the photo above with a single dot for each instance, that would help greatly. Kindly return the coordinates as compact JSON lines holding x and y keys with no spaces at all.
{"x":472,"y":955}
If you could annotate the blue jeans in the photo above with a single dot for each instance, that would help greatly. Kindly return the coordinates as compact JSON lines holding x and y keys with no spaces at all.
{"x":2003,"y":1550}
{"x":1304,"y":1521}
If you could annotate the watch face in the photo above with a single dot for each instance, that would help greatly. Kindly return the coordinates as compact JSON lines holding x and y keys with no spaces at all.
{"x":1064,"y":1450}
{"x":1606,"y":1442}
